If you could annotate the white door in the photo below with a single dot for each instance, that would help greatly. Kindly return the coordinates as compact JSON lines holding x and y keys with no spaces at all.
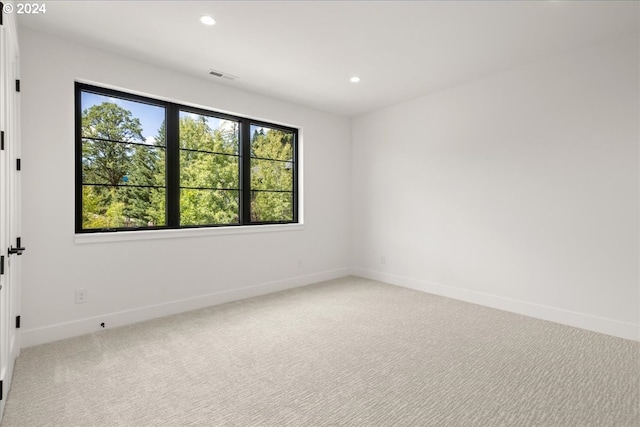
{"x":10,"y":242}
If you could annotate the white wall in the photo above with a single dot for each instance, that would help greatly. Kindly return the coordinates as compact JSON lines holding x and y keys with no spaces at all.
{"x":125,"y":278}
{"x":518,"y":191}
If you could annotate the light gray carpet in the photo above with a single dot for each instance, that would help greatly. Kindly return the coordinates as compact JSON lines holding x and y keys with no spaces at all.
{"x":345,"y":352}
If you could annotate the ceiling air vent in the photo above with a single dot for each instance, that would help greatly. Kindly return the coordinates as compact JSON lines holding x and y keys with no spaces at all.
{"x":222,"y":75}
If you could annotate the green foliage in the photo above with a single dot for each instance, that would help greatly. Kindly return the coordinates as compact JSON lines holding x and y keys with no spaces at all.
{"x":105,"y":161}
{"x":271,"y":206}
{"x":100,"y":209}
{"x":143,"y":204}
{"x":202,"y":207}
{"x":272,"y":144}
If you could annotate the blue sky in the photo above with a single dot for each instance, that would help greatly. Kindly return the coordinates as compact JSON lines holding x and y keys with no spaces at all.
{"x":213,"y":122}
{"x":151,"y":117}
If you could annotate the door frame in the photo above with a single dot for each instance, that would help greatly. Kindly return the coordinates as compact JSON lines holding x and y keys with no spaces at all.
{"x":10,"y":202}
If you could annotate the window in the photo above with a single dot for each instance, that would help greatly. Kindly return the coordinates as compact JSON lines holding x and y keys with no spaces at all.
{"x":144,"y":164}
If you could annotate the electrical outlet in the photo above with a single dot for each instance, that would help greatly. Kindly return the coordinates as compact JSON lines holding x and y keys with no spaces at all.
{"x":383,"y":259}
{"x":300,"y":263}
{"x":81,"y":296}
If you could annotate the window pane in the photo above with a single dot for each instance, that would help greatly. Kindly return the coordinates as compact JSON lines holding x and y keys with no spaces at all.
{"x":208,"y":133}
{"x":116,"y":207}
{"x":117,"y":119}
{"x":267,"y":143}
{"x":114,"y":164}
{"x":271,"y":175}
{"x":268,"y":206}
{"x":204,"y":170}
{"x":209,"y":207}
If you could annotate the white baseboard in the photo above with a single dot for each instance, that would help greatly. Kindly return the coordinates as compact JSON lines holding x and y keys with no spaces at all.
{"x":603,"y":325}
{"x":30,"y":337}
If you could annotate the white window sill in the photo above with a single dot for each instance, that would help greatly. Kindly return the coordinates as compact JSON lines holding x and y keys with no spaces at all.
{"x":123,"y":236}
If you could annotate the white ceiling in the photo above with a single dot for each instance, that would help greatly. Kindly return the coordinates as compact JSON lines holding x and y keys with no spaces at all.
{"x":306,"y":51}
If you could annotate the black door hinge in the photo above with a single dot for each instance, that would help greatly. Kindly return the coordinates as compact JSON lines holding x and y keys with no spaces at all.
{"x":18,"y":164}
{"x":1,"y":390}
{"x":1,"y":140}
{"x":17,"y":85}
{"x":17,"y":322}
{"x":1,"y":264}
{"x":1,"y":12}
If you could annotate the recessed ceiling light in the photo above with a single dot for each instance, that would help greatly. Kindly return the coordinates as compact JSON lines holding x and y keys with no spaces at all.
{"x":354,"y":79}
{"x":207,"y":20}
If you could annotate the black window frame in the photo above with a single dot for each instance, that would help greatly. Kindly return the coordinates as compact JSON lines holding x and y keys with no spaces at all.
{"x":172,"y":166}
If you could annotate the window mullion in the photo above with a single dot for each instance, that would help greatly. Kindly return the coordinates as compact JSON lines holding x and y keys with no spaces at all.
{"x":173,"y":166}
{"x":245,"y":180}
